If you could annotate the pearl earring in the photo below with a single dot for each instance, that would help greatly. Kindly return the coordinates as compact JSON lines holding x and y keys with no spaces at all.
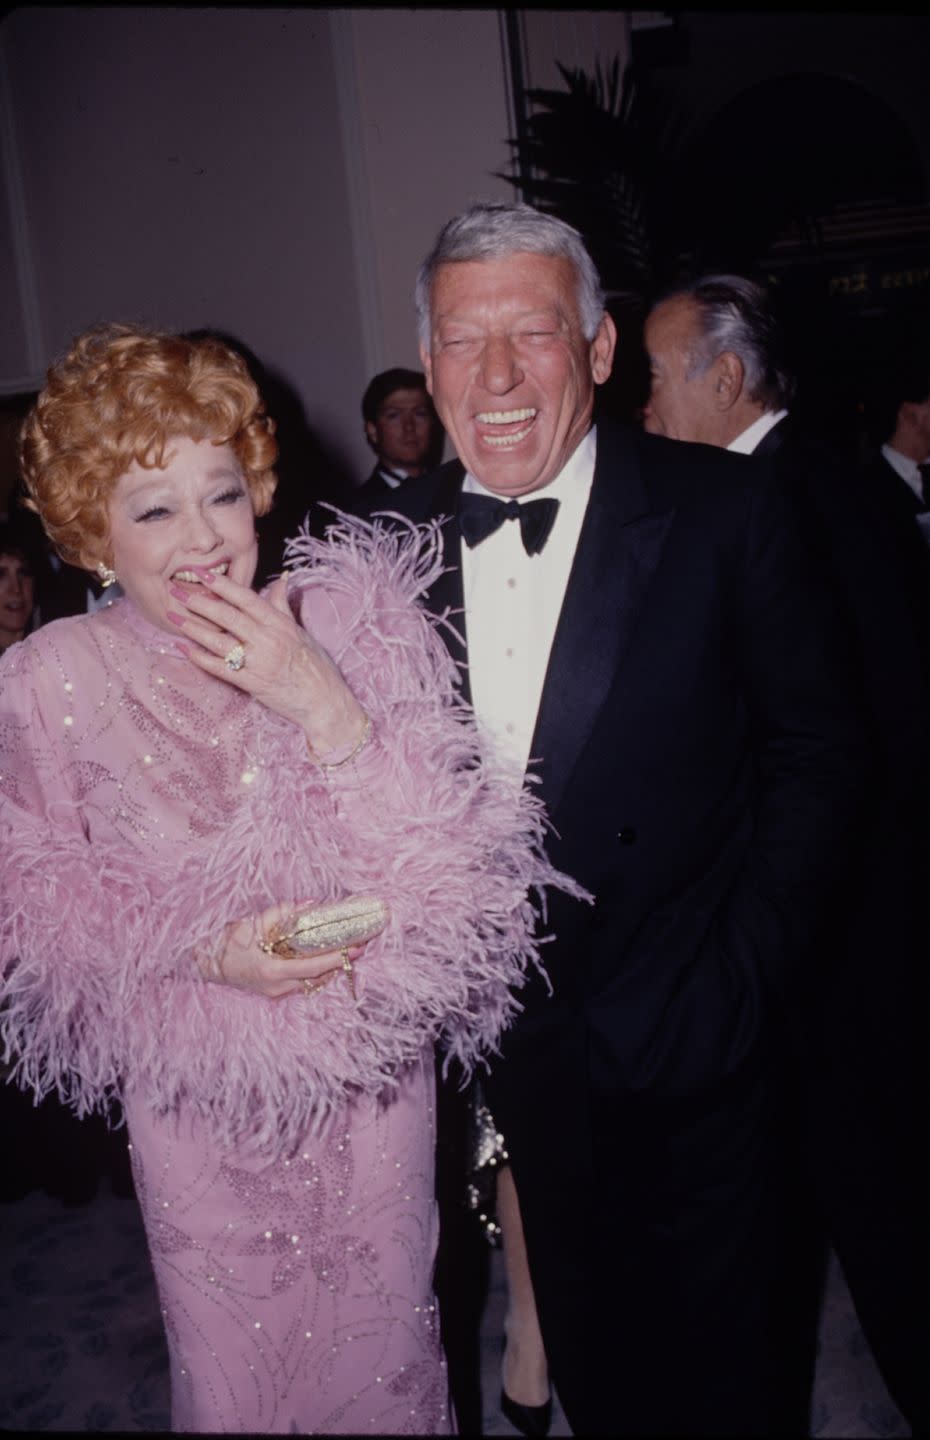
{"x":107,"y":576}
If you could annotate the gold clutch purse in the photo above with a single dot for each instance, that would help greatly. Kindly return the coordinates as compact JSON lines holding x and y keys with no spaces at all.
{"x":332,"y":925}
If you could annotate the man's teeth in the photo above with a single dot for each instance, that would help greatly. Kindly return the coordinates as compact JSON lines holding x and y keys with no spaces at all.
{"x":190,"y":577}
{"x":513,"y":437}
{"x":505,"y":417}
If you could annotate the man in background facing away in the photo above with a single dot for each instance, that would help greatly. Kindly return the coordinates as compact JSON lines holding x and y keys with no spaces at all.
{"x":719,"y":377}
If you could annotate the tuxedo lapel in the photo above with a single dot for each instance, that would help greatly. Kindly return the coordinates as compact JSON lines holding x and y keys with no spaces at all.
{"x":909,"y":501}
{"x":445,"y":596}
{"x":618,"y":551}
{"x":894,"y":487}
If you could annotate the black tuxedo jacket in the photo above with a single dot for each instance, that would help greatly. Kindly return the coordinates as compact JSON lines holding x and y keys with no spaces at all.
{"x":863,"y":531}
{"x":862,"y":528}
{"x":896,"y":494}
{"x":699,"y":756}
{"x":375,"y":490}
{"x":867,"y":1082}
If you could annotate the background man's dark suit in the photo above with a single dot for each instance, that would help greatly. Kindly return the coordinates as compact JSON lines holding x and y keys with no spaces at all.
{"x":868,"y":1072}
{"x":374,"y":491}
{"x":896,"y":494}
{"x":699,"y":762}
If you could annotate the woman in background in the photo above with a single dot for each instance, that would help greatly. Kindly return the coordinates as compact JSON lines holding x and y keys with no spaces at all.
{"x":17,"y":588}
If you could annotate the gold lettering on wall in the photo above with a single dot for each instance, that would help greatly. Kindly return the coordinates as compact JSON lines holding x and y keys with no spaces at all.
{"x":905,"y":279}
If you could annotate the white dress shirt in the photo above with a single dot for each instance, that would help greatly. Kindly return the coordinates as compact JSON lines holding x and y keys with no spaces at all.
{"x":746,"y":442}
{"x":906,"y":468}
{"x":512,"y":606}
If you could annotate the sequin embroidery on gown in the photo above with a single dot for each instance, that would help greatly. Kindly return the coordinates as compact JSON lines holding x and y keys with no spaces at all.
{"x":298,"y":1295}
{"x":283,"y":1151}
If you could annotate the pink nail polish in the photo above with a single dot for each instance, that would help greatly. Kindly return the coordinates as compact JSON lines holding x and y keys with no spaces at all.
{"x":175,"y":619}
{"x":177,"y":592}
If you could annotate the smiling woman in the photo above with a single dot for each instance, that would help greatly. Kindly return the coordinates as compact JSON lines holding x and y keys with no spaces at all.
{"x":113,"y":404}
{"x":173,"y":526}
{"x":186,"y":777}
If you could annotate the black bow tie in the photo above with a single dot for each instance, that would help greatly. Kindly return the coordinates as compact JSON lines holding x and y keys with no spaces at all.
{"x":480,"y":515}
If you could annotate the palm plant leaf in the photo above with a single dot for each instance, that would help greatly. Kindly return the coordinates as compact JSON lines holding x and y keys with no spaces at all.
{"x":593,"y":154}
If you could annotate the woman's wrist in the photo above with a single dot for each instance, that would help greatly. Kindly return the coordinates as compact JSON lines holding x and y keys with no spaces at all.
{"x":210,"y":965}
{"x":330,"y":756}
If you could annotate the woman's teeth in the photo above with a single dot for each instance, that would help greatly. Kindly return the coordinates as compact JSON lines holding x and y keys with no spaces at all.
{"x":191,"y":577}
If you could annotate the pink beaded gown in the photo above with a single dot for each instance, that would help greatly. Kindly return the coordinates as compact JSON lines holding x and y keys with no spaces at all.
{"x":282,"y":1151}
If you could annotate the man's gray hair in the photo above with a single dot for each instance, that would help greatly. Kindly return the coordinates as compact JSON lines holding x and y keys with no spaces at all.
{"x":736,"y":314}
{"x":495,"y":230}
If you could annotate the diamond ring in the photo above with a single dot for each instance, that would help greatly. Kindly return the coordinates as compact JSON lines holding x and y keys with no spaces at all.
{"x":235,"y":658}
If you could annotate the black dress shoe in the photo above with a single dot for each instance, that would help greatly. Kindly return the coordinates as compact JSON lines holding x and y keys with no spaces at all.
{"x":533,"y":1420}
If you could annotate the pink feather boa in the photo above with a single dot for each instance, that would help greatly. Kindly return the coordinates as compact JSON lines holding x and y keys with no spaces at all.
{"x":100,"y":987}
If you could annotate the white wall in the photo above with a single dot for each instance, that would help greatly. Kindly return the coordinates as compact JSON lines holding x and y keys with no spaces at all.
{"x":274,"y":173}
{"x":428,"y":132}
{"x":179,"y":168}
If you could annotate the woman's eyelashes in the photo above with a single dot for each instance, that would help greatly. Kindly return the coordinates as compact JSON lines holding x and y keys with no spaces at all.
{"x":227,"y":497}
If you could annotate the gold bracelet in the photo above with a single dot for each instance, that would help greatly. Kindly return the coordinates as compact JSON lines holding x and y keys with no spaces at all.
{"x":363,"y":741}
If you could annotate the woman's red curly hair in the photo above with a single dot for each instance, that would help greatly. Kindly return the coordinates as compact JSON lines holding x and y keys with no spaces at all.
{"x":120,"y":395}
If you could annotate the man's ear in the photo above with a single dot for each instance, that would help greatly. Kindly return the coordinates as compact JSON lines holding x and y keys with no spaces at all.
{"x":728,"y":380}
{"x":371,"y":434}
{"x":602,"y":349}
{"x":426,"y":360}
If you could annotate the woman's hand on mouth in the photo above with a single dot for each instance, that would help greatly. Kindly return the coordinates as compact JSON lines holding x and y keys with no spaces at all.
{"x":281,"y":665}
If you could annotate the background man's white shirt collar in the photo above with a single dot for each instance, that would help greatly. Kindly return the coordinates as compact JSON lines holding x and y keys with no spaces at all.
{"x":906,"y":468}
{"x":392,"y":476}
{"x":745,"y":443}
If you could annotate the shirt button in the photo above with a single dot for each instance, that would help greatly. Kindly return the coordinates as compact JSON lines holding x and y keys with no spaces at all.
{"x":509,"y":653}
{"x":627,"y":836}
{"x":509,"y":728}
{"x":511,"y":584}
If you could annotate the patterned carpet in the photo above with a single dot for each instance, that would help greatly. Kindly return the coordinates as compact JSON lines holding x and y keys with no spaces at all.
{"x":81,"y":1347}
